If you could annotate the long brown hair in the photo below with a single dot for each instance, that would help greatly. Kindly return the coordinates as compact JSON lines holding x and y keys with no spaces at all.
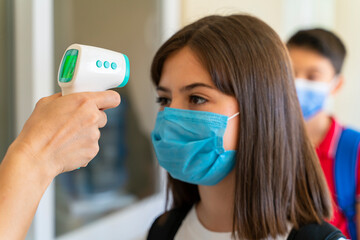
{"x":278,"y":176}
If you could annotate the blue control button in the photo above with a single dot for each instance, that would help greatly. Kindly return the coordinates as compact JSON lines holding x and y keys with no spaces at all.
{"x":113,"y":65}
{"x":106,"y":64}
{"x":98,"y":63}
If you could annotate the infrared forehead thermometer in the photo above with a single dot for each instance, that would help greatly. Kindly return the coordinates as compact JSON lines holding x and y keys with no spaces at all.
{"x":91,"y":69}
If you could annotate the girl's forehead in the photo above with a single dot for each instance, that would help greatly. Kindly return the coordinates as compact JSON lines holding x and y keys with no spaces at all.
{"x":183,"y":68}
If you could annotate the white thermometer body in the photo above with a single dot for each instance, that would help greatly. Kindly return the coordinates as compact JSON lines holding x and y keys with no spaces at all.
{"x":91,"y":69}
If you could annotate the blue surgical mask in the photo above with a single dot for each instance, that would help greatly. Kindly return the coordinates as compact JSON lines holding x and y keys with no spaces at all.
{"x":189,"y":145}
{"x":312,"y":96}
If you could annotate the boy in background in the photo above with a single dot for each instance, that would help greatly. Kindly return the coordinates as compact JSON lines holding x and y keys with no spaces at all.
{"x":317,"y":56}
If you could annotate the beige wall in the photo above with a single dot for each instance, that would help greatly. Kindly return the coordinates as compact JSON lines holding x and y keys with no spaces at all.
{"x":269,"y":11}
{"x":347,"y":24}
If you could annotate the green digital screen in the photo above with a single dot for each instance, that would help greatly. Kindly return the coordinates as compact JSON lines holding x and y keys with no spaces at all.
{"x":68,"y":65}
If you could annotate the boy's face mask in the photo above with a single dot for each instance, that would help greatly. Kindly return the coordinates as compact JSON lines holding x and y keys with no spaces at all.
{"x":189,"y":145}
{"x":312,"y":95}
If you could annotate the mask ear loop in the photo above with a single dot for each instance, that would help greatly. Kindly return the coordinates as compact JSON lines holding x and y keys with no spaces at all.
{"x":334,"y":83}
{"x":236,"y":114}
{"x":329,"y":104}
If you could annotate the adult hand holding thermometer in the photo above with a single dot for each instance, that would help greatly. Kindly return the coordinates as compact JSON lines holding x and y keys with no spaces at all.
{"x":91,"y":69}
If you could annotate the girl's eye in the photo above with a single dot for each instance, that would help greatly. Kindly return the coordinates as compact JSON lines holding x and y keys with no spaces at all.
{"x":197,"y":100}
{"x":163,"y":101}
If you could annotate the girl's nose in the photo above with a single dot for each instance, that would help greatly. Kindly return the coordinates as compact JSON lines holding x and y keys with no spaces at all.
{"x":178,"y":103}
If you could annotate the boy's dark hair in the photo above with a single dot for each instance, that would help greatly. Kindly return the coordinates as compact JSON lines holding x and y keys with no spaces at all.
{"x":322,"y":41}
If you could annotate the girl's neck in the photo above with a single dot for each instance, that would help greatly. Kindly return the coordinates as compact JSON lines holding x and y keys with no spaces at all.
{"x":317,"y":127}
{"x":216,"y":206}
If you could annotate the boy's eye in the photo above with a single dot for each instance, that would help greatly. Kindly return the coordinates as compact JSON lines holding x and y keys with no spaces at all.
{"x":314,"y":77}
{"x":197,"y":100}
{"x":311,"y":78}
{"x":163,"y":101}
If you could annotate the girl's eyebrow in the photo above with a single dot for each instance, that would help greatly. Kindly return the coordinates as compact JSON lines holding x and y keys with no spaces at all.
{"x":186,"y":88}
{"x":195,"y":85}
{"x":162,"y":89}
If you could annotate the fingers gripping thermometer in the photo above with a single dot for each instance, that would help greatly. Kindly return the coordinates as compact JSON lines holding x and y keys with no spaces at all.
{"x":91,"y":69}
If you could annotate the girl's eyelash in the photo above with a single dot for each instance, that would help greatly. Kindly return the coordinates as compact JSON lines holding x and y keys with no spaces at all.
{"x":162,"y":100}
{"x":194,"y":99}
{"x":197,"y":100}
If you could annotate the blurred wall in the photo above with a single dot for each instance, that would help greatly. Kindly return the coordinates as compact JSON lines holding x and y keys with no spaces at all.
{"x":131,"y":27}
{"x":269,"y":11}
{"x":3,"y":82}
{"x":6,"y":81}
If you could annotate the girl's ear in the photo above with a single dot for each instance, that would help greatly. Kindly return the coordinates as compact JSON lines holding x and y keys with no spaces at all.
{"x":339,"y":83}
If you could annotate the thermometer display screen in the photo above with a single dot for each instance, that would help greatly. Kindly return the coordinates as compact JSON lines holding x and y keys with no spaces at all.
{"x":68,"y":65}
